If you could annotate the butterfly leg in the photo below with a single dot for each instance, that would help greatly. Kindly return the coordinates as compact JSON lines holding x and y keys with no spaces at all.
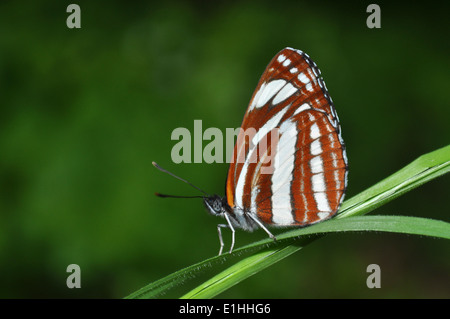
{"x":220,"y":236}
{"x":232,"y":232}
{"x":263,"y":227}
{"x":221,"y":239}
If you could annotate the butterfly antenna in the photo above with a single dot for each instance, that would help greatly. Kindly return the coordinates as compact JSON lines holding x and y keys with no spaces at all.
{"x":176,"y":196}
{"x":183,"y":180}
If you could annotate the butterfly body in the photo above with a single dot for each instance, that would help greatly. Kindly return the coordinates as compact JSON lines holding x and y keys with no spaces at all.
{"x":238,"y":218}
{"x":235,"y":217}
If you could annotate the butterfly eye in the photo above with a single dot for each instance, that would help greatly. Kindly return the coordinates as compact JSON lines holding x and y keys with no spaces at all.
{"x":213,"y":204}
{"x":218,"y":206}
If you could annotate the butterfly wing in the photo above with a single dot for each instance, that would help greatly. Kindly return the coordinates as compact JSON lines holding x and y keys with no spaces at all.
{"x":289,"y":165}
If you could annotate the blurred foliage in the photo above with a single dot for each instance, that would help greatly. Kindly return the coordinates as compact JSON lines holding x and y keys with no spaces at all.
{"x":83,"y":112}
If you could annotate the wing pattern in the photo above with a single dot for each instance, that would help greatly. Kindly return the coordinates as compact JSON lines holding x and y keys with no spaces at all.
{"x":289,"y":165}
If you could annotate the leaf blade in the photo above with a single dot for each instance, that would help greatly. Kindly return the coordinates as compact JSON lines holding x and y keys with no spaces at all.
{"x":257,"y":262}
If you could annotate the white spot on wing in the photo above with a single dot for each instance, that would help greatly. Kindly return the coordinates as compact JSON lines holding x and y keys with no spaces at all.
{"x":269,"y":91}
{"x":318,"y":182}
{"x":284,"y":93}
{"x":303,"y":78}
{"x":315,"y":132}
{"x":332,"y":140}
{"x":255,"y":191}
{"x":336,"y":179}
{"x":316,"y":164}
{"x":282,"y":175}
{"x":281,"y":58}
{"x":322,"y":202}
{"x":303,"y":107}
{"x":334,"y":156}
{"x":323,"y":215}
{"x":316,"y":148}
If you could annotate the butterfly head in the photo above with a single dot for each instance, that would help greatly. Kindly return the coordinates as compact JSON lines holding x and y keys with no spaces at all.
{"x":216,"y":205}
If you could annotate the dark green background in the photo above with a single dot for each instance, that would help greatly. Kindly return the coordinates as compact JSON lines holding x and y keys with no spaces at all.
{"x":84,"y":112}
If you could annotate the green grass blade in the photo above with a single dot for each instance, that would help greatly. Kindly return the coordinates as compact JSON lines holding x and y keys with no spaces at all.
{"x":420,"y":171}
{"x":263,"y":259}
{"x":240,"y":271}
{"x":266,"y":252}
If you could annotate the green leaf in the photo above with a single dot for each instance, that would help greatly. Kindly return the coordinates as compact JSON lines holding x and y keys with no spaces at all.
{"x":259,"y":255}
{"x":261,"y":260}
{"x":420,"y":171}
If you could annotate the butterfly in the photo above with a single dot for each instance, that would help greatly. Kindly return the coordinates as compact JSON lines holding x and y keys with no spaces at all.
{"x":289,"y":165}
